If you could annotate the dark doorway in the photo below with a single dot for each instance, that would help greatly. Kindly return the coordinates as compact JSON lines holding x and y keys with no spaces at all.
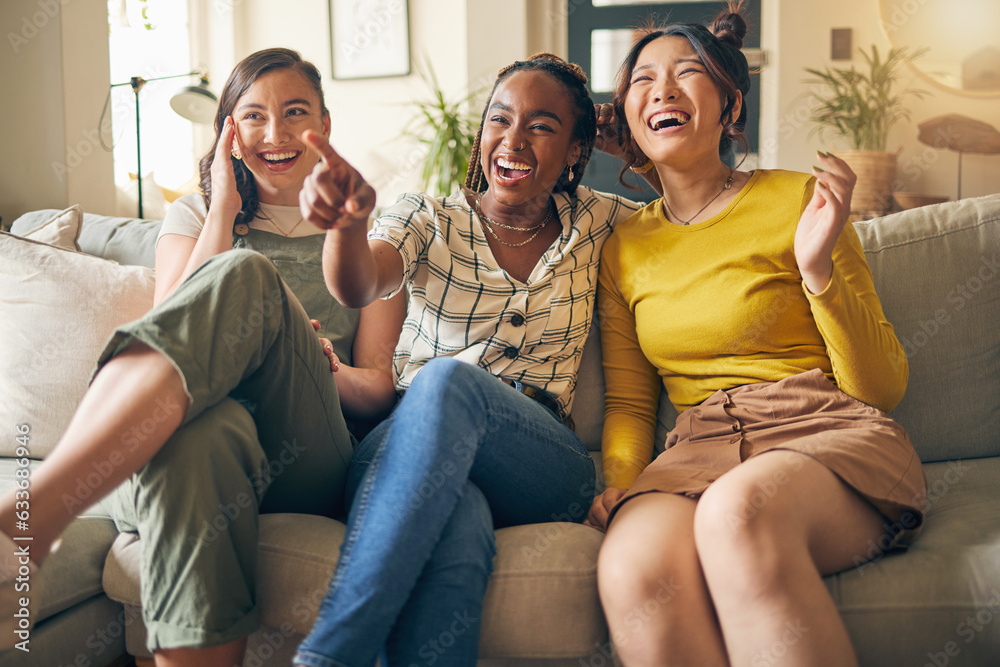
{"x":599,"y":36}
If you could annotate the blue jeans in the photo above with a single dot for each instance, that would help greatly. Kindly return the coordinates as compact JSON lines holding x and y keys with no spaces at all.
{"x":461,"y":454}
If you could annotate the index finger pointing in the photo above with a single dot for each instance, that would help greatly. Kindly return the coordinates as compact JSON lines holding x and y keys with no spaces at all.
{"x":318,"y":144}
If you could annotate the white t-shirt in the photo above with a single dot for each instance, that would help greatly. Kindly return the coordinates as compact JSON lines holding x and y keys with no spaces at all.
{"x":186,"y":216}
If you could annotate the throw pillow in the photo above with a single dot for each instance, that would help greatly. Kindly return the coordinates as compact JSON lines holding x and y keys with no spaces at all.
{"x":62,"y":229}
{"x":57,"y":310}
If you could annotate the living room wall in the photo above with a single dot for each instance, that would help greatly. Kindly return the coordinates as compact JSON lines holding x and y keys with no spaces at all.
{"x":797,"y":35}
{"x":54,"y":74}
{"x":465,"y":41}
{"x":468,"y":40}
{"x":54,"y":70}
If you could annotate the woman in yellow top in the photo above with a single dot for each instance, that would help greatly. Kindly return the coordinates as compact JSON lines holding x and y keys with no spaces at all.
{"x":747,"y":295}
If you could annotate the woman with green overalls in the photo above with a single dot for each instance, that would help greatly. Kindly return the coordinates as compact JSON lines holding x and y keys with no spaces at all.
{"x":226,"y":400}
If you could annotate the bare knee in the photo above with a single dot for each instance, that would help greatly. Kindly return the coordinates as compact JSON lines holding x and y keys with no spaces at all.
{"x":632,"y":573}
{"x":745,"y":532}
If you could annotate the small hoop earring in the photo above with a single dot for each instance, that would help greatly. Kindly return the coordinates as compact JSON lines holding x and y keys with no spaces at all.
{"x":236,"y":152}
{"x":569,"y":175}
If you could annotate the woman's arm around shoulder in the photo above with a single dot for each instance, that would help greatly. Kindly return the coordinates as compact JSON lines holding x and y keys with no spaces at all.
{"x":631,"y":382}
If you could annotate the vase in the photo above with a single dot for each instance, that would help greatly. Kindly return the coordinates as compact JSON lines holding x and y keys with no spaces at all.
{"x":876,"y":172}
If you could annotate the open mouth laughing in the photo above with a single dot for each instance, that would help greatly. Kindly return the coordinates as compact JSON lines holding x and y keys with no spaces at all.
{"x":279,"y":160}
{"x":510,"y":170}
{"x":668,"y":119}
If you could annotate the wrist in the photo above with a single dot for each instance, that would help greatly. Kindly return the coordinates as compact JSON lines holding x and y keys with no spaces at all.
{"x":816,"y":282}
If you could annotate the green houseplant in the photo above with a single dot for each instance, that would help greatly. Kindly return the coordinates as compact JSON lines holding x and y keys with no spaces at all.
{"x":860,"y":107}
{"x":447,"y":130}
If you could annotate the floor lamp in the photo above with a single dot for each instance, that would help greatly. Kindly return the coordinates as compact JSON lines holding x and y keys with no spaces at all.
{"x":195,"y":103}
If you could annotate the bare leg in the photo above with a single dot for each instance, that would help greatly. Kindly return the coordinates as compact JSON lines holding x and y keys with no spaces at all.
{"x":652,"y":587}
{"x":766,"y":533}
{"x":226,"y":655}
{"x":132,"y":407}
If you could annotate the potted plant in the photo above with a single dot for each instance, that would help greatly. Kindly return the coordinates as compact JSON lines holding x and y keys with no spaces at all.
{"x":861,"y":106}
{"x":448,"y":130}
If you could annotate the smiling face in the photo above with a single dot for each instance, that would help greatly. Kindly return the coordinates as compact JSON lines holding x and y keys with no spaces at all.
{"x":270,"y":119}
{"x":673,"y":106}
{"x":527,"y":138}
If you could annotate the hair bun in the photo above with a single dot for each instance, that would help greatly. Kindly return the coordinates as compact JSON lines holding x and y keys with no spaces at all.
{"x":729,"y":26}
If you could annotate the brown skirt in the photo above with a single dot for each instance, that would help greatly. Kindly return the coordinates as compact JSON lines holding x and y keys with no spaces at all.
{"x":803,"y":413}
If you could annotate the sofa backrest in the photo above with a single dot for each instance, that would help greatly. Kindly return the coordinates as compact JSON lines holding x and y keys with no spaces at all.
{"x":124,"y":240}
{"x":937,"y":272}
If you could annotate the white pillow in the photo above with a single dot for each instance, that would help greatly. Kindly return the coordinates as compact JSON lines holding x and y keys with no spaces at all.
{"x":62,"y":229}
{"x":57,"y":310}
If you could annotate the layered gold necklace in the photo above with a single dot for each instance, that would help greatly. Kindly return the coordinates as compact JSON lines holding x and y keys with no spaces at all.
{"x":488,"y":224}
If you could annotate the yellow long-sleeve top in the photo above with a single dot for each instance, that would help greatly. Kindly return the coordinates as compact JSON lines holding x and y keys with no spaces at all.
{"x":720,"y":304}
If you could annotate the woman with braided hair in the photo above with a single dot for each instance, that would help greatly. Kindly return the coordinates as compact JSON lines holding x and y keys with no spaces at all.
{"x":501,"y":277}
{"x":747,"y":297}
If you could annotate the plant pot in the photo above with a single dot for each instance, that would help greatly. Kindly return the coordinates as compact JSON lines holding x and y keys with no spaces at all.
{"x":876,"y":172}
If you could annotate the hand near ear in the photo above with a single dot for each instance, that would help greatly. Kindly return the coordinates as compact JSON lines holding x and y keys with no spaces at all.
{"x":607,"y":131}
{"x":225,"y":196}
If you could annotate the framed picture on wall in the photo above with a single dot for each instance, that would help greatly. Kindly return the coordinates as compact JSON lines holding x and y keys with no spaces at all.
{"x":369,"y":38}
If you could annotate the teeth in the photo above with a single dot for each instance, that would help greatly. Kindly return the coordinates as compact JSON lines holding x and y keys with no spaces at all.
{"x":273,"y":157}
{"x":659,"y":119}
{"x":507,"y":164}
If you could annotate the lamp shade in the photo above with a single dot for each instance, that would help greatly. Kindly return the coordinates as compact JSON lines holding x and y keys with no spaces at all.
{"x":195,"y":103}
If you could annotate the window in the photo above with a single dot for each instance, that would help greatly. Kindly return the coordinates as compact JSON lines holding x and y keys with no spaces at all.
{"x":150,"y":39}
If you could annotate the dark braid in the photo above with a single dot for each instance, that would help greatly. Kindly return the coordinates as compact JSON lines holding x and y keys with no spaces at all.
{"x":585,"y":129}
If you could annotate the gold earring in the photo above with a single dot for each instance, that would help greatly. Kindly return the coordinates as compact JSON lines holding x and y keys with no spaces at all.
{"x":570,"y":174}
{"x":236,"y":152}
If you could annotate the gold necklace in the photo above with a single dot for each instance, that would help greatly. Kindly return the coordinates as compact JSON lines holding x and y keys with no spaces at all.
{"x":289,"y":232}
{"x":725,"y":186}
{"x":488,"y":224}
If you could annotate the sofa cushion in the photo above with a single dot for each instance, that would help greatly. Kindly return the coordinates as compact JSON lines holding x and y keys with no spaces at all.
{"x":57,"y":309}
{"x":89,"y":634}
{"x":73,"y":572}
{"x":541,"y":602}
{"x":937,"y":271}
{"x":940,"y":599}
{"x":62,"y":229}
{"x":123,"y":240}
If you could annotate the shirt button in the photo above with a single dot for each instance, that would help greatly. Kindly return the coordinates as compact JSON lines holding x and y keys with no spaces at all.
{"x":241,"y":229}
{"x":517,"y":320}
{"x":511,"y":352}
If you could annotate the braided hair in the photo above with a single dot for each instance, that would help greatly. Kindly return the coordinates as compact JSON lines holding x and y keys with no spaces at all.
{"x":584,"y":130}
{"x":719,"y":49}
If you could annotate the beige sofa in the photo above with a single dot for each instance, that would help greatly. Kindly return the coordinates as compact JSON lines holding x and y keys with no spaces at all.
{"x":937,"y":270}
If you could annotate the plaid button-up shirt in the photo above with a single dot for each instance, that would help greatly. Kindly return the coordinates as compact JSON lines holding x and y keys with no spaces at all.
{"x":463,"y":305}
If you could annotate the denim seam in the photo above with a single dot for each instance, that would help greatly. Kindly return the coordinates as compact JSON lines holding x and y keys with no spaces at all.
{"x":311,"y":659}
{"x":352,"y":537}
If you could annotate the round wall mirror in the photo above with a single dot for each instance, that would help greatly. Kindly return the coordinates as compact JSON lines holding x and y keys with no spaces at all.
{"x":962,"y":38}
